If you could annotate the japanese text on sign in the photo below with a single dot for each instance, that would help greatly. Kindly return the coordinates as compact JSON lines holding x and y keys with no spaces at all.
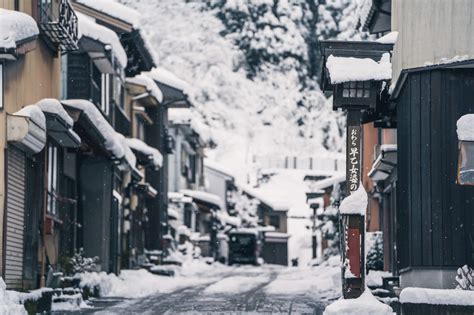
{"x":353,"y":157}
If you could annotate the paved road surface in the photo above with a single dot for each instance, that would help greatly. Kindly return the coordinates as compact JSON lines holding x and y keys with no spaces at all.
{"x":240,"y":290}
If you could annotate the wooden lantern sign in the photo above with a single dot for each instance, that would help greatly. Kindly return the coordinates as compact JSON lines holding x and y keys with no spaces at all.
{"x":465,"y":130}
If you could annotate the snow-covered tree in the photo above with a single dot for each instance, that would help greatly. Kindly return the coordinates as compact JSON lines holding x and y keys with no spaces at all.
{"x":465,"y":278}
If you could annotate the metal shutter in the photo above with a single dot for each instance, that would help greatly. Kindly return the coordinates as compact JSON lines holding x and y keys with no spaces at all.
{"x":15,"y":218}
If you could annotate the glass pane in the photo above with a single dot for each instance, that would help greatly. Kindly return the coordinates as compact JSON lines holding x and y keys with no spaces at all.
{"x":367,"y":93}
{"x":367,"y":84}
{"x":360,"y":84}
{"x":360,"y":93}
{"x":353,"y":85}
{"x":352,"y":93}
{"x":345,"y":84}
{"x":345,"y":93}
{"x":466,"y":163}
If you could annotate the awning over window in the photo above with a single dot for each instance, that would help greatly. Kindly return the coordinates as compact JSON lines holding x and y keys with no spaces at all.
{"x":174,"y":89}
{"x":146,"y":154}
{"x":18,"y":33}
{"x":385,"y":163}
{"x":147,"y":189}
{"x":206,"y":201}
{"x":58,"y":123}
{"x":27,"y":129}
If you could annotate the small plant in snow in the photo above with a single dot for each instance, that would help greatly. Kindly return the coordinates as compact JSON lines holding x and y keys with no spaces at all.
{"x":464,"y":278}
{"x":80,"y":264}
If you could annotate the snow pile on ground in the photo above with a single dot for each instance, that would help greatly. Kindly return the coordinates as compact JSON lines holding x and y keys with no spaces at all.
{"x":437,"y":296}
{"x":355,"y":203}
{"x":10,"y":301}
{"x":89,"y":28}
{"x":15,"y":27}
{"x":235,"y":285}
{"x":323,"y":280}
{"x":465,"y":127}
{"x":375,"y":278}
{"x":366,"y":304}
{"x":346,"y":69}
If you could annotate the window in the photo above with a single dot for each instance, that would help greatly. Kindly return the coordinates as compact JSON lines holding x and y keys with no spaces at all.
{"x":275,"y":221}
{"x":466,"y":163}
{"x":105,"y":93}
{"x":52,"y":178}
{"x":1,"y":85}
{"x":356,"y":89}
{"x":118,"y":92}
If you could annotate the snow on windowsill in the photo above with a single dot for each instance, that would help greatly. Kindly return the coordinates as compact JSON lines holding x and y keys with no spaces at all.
{"x":89,"y":28}
{"x":355,"y":203}
{"x":346,"y":69}
{"x":366,"y":304}
{"x":437,"y":296}
{"x":15,"y":27}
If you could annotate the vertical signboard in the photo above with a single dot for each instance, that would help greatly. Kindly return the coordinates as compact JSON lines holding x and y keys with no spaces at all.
{"x":353,"y":166}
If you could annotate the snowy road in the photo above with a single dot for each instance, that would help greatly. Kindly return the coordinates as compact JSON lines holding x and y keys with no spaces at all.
{"x":255,"y":290}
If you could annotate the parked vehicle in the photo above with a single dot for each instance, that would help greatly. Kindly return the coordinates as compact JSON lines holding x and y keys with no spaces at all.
{"x":245,"y":246}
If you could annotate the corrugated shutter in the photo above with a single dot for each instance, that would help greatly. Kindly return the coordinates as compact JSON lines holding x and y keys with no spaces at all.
{"x":15,"y":218}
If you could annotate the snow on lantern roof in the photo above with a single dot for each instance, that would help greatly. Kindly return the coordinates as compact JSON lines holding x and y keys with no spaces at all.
{"x":203,"y":196}
{"x":112,"y":142}
{"x":364,"y":304}
{"x":114,"y":9}
{"x":437,"y":296}
{"x":390,"y":38}
{"x":53,"y":106}
{"x":465,"y":127}
{"x":34,"y":113}
{"x":139,"y":145}
{"x":149,"y":84}
{"x":89,"y":28}
{"x":346,"y":69}
{"x":166,"y":77}
{"x":355,"y":203}
{"x":16,"y":27}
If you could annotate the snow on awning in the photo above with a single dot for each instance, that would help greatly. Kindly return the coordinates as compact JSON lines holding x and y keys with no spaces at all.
{"x":27,"y":128}
{"x":111,"y":140}
{"x":16,"y":29}
{"x":210,"y":200}
{"x":90,"y":29}
{"x":114,"y":9}
{"x":226,"y":219}
{"x":178,"y":197}
{"x":173,"y":214}
{"x":149,"y":84}
{"x":167,"y":77}
{"x":59,"y":124}
{"x":152,"y":154}
{"x":185,"y":116}
{"x":385,"y":163}
{"x":174,"y":89}
{"x":129,"y":157}
{"x":390,"y":38}
{"x":348,"y":69}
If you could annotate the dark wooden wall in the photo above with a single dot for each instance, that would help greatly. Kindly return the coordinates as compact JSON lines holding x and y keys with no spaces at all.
{"x":435,"y":215}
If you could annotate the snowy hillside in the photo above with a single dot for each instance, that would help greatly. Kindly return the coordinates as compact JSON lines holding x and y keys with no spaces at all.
{"x":270,"y":110}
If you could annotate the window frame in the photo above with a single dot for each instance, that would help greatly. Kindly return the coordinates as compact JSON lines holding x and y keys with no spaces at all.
{"x":2,"y":84}
{"x":463,"y":154}
{"x":53,"y":179}
{"x":105,"y":93}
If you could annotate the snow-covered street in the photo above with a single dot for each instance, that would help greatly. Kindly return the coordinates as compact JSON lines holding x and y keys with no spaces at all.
{"x":222,"y":289}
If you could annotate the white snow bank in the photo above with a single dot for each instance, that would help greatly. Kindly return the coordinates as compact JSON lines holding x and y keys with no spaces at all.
{"x":204,"y":196}
{"x":345,"y":69}
{"x":53,"y":106}
{"x":34,"y":113}
{"x":375,"y":278}
{"x":465,"y":127}
{"x":166,"y":77}
{"x":15,"y":27}
{"x":355,"y":203}
{"x":114,"y":9}
{"x":149,"y":84}
{"x":113,"y":144}
{"x":9,"y":301}
{"x":437,"y":296}
{"x":390,"y":38}
{"x":139,"y":145}
{"x":366,"y":304}
{"x":89,"y":28}
{"x":235,"y":285}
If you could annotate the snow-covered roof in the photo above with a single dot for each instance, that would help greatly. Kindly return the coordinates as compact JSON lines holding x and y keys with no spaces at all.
{"x":149,"y":84}
{"x":215,"y":166}
{"x":328,"y":182}
{"x":164,"y":76}
{"x":437,"y":296}
{"x":390,"y":38}
{"x":465,"y":127}
{"x":185,"y":116}
{"x":139,"y":145}
{"x":355,"y":203}
{"x":114,"y":9}
{"x":34,"y":113}
{"x":388,"y":148}
{"x":172,"y":213}
{"x":89,"y":28}
{"x":204,"y":196}
{"x":53,"y":106}
{"x":364,"y":304}
{"x":226,"y":219}
{"x":16,"y":27}
{"x":112,"y":143}
{"x":346,"y":69}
